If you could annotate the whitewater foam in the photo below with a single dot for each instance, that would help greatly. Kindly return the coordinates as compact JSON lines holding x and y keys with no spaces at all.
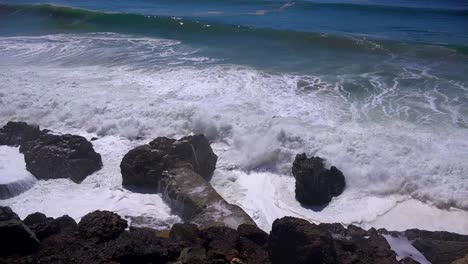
{"x":99,"y":191}
{"x":14,"y":178}
{"x":389,"y":147}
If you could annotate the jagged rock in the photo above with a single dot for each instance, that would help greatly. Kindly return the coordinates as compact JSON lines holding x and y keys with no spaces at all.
{"x":16,"y":238}
{"x":61,"y":156}
{"x":463,"y":260}
{"x":363,"y":250}
{"x":221,"y":242}
{"x":253,"y":233}
{"x":185,"y":233}
{"x":316,"y":185}
{"x":294,"y":240}
{"x":7,"y":214}
{"x":101,"y":225}
{"x":15,"y":133}
{"x":143,"y":166}
{"x":441,"y":252}
{"x":45,"y":227}
{"x":190,"y":255}
{"x":142,"y":246}
{"x":413,"y":234}
{"x":36,"y":218}
{"x":193,"y":198}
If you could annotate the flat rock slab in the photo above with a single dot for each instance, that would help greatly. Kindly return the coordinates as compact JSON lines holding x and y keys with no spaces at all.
{"x":198,"y":202}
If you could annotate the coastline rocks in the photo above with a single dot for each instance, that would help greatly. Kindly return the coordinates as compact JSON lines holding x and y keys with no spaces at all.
{"x":61,"y":156}
{"x":16,"y":238}
{"x":102,"y":238}
{"x":179,"y":169}
{"x":294,"y":240}
{"x":15,"y":133}
{"x":316,"y":185}
{"x":143,"y":166}
{"x":45,"y":227}
{"x":7,"y":214}
{"x":196,"y":201}
{"x":101,"y":225}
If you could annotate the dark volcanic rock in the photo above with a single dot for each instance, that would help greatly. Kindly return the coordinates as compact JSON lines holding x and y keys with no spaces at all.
{"x":45,"y":227}
{"x":253,"y":233}
{"x":7,"y":214}
{"x":316,"y":185}
{"x":101,"y":225}
{"x":16,"y":238}
{"x":61,"y":156}
{"x":143,"y":166}
{"x":142,"y":246}
{"x":442,"y":252}
{"x":16,"y":133}
{"x":36,"y":218}
{"x":179,"y":169}
{"x":363,"y":250}
{"x":196,"y":201}
{"x":294,"y":240}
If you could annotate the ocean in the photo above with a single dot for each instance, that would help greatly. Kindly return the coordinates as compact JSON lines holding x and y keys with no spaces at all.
{"x":378,"y":88}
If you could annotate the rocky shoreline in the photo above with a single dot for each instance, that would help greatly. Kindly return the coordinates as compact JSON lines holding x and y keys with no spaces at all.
{"x":213,"y":231}
{"x":104,"y":237}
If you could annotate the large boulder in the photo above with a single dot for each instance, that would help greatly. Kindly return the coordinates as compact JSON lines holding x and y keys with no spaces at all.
{"x":45,"y":227}
{"x":294,"y":240}
{"x":61,"y":156}
{"x":15,"y":133}
{"x":316,"y":185}
{"x":196,"y":201}
{"x":16,"y":238}
{"x":143,"y":166}
{"x":7,"y":214}
{"x":179,"y":169}
{"x":102,"y":226}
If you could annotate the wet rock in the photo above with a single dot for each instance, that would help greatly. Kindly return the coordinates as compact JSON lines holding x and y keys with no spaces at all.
{"x":102,"y":226}
{"x":36,"y":218}
{"x":193,"y":198}
{"x":15,"y":133}
{"x":142,"y":246}
{"x":7,"y":214}
{"x":363,"y":250}
{"x":193,"y":255}
{"x":16,"y":238}
{"x":61,"y":156}
{"x":45,"y":227}
{"x":441,"y":252}
{"x":408,"y":260}
{"x":316,"y":185}
{"x":253,"y":233}
{"x":221,"y":243}
{"x":463,"y":260}
{"x":294,"y":240}
{"x":143,"y":166}
{"x":186,"y":233}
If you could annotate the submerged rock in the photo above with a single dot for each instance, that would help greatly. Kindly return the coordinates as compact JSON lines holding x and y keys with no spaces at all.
{"x":316,"y":185}
{"x":143,"y":166}
{"x":15,"y":133}
{"x":61,"y":156}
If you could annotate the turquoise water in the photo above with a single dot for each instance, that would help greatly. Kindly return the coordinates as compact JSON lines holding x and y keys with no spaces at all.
{"x":379,"y":88}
